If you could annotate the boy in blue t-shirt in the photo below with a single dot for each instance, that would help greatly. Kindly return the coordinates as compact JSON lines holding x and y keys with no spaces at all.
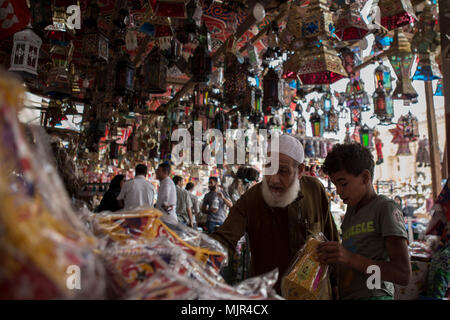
{"x":373,"y":230}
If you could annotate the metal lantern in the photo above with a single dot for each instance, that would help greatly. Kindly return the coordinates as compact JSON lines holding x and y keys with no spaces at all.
{"x":95,"y":46}
{"x":41,"y":13}
{"x":155,"y":72}
{"x":316,"y":65}
{"x":438,"y":92}
{"x":383,"y":77}
{"x":201,"y":64}
{"x":25,"y":54}
{"x":301,"y":125}
{"x":327,"y":101}
{"x":317,"y":124}
{"x":410,"y":126}
{"x":331,"y":121}
{"x":401,"y":58}
{"x":366,"y":136}
{"x":427,"y":69}
{"x":355,"y":112}
{"x":317,"y":21}
{"x":383,"y":105}
{"x":350,"y":25}
{"x":273,"y":91}
{"x":124,"y":76}
{"x":396,"y":13}
{"x":350,"y":60}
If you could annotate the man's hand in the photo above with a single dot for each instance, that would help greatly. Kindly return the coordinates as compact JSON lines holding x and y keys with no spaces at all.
{"x":220,"y":195}
{"x":332,"y":252}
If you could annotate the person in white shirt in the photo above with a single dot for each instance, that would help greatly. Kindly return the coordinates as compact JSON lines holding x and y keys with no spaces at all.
{"x":167,"y":195}
{"x":137,"y":192}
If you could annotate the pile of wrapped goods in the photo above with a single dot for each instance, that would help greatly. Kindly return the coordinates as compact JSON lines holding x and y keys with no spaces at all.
{"x":48,"y":249}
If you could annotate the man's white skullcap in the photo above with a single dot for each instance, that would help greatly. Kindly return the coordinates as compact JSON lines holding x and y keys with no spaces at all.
{"x":291,"y":147}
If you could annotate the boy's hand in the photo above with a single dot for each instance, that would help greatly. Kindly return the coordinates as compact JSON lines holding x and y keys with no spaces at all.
{"x":332,"y":252}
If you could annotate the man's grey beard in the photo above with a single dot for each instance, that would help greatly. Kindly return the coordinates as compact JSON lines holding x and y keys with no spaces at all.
{"x":283,"y":200}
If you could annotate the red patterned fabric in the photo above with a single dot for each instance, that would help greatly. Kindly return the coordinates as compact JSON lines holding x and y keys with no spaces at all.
{"x":17,"y":16}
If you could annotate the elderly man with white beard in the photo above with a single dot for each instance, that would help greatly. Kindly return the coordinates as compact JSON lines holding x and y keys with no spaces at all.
{"x":279,"y":213}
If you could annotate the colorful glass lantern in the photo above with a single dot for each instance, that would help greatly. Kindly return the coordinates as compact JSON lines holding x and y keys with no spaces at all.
{"x":301,"y":125}
{"x":317,"y":124}
{"x":124,"y":76}
{"x":350,"y":60}
{"x":366,"y":136}
{"x":401,"y":58}
{"x":95,"y":46}
{"x":317,"y":21}
{"x":155,"y":72}
{"x":25,"y":54}
{"x":355,"y":113}
{"x":427,"y":69}
{"x":383,"y":77}
{"x":316,"y":65}
{"x":350,"y":25}
{"x":327,"y":101}
{"x":331,"y":121}
{"x":396,"y":13}
{"x":438,"y":91}
{"x":273,"y":91}
{"x":383,"y":105}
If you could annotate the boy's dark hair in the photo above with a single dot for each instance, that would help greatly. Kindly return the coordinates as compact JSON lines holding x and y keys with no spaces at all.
{"x":141,"y":169}
{"x":165,"y":166}
{"x":351,"y":157}
{"x":177,"y":179}
{"x":214,"y":179}
{"x":189,"y":186}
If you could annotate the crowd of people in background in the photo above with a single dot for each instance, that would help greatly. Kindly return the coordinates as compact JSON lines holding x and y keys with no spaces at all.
{"x":181,"y":202}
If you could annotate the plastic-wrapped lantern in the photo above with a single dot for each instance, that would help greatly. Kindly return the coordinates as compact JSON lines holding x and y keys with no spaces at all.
{"x":317,"y":124}
{"x":25,"y":54}
{"x":155,"y":72}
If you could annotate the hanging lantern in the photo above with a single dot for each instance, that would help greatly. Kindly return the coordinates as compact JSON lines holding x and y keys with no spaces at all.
{"x":396,"y":13}
{"x":427,"y":69}
{"x":317,"y":21}
{"x":155,"y":72}
{"x":301,"y":125}
{"x":201,"y":64}
{"x":398,"y":138}
{"x":383,"y":77}
{"x":92,"y":14}
{"x":95,"y":46}
{"x":59,"y":81}
{"x":383,"y":105}
{"x":401,"y":57}
{"x":316,"y":65}
{"x":327,"y":101}
{"x":124,"y":76}
{"x":273,"y":91}
{"x":317,"y":124}
{"x":350,"y":60}
{"x":41,"y":13}
{"x":331,"y":121}
{"x":25,"y":54}
{"x":113,"y":150}
{"x":355,"y":113}
{"x":366,"y":136}
{"x":438,"y":91}
{"x":410,"y":126}
{"x":350,"y":25}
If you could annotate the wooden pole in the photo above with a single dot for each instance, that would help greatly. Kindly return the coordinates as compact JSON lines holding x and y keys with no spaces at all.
{"x":434,"y":142}
{"x":444,"y":26}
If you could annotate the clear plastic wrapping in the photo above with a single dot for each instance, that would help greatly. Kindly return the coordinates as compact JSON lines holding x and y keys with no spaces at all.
{"x":46,"y":252}
{"x":307,"y":278}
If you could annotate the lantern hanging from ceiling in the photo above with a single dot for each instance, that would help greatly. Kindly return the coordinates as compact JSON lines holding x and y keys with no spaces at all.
{"x":383,"y":105}
{"x":41,"y":13}
{"x":301,"y":125}
{"x":350,"y":59}
{"x":317,"y":22}
{"x":125,"y":70}
{"x":201,"y":62}
{"x":155,"y":72}
{"x":410,"y":126}
{"x":355,"y":113}
{"x":327,"y":101}
{"x":317,"y":124}
{"x":316,"y":65}
{"x":399,"y":138}
{"x":272,"y":91}
{"x":396,"y":13}
{"x":383,"y":77}
{"x":427,"y":69}
{"x":331,"y":121}
{"x":350,"y":25}
{"x":366,"y":136}
{"x":438,"y":91}
{"x":59,"y":81}
{"x":25,"y":54}
{"x":401,"y":58}
{"x":95,"y":46}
